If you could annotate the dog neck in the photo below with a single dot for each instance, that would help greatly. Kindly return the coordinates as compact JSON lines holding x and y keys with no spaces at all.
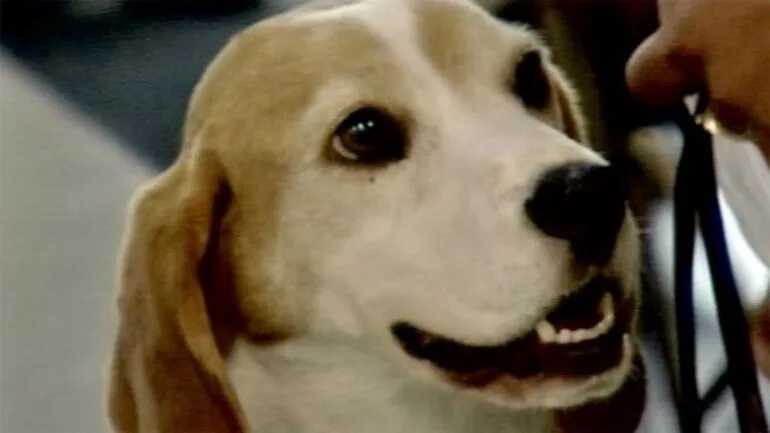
{"x":321,"y":385}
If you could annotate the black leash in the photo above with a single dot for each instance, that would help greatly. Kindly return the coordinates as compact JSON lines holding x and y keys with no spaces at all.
{"x":696,"y":207}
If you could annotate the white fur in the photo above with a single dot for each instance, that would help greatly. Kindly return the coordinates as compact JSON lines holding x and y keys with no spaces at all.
{"x":320,"y":385}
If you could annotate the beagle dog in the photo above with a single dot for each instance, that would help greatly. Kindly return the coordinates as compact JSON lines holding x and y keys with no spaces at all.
{"x":383,"y":218}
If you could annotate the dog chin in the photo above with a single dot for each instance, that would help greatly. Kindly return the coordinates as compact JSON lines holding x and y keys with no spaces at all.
{"x":556,"y":392}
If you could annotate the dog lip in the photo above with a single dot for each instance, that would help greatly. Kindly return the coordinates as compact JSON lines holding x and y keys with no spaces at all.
{"x":529,"y":355}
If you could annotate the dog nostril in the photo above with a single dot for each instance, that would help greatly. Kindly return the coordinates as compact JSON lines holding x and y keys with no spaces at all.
{"x":582,"y":203}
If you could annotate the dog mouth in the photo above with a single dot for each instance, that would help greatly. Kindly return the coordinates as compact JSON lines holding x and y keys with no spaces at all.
{"x":584,"y":335}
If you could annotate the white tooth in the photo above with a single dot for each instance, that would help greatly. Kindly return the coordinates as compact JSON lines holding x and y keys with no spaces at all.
{"x":595,"y":332}
{"x":606,"y":323}
{"x":609,"y":319}
{"x":564,"y":336}
{"x":607,"y":306}
{"x":602,"y":327}
{"x":581,"y":335}
{"x":546,"y":332}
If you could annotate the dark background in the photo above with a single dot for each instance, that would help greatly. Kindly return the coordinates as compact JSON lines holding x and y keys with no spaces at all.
{"x":132,"y":68}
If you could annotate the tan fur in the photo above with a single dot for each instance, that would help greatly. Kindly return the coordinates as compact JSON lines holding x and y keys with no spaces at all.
{"x":447,"y":39}
{"x":207,"y":252}
{"x":168,"y":374}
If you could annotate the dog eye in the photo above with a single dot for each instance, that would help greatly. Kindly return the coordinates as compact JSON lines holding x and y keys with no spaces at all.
{"x":531,"y":82}
{"x":369,"y":135}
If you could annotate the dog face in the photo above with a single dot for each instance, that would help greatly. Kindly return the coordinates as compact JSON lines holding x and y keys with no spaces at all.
{"x":409,"y":172}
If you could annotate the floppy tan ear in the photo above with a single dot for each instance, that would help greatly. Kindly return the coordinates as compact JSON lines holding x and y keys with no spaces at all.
{"x":564,"y":107}
{"x":621,"y":413}
{"x":167,"y":372}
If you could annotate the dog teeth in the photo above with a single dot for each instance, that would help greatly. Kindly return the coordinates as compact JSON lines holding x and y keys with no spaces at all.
{"x":606,"y":306}
{"x":565,"y":336}
{"x":548,"y":334}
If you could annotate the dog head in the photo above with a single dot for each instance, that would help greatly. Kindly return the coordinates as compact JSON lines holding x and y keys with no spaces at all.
{"x":408,"y":172}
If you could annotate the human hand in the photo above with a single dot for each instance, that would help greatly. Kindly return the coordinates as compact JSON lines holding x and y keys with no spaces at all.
{"x":760,"y":337}
{"x":722,"y":46}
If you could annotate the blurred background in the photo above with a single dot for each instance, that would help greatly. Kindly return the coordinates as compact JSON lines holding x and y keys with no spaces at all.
{"x":92,"y":97}
{"x":128,"y":64}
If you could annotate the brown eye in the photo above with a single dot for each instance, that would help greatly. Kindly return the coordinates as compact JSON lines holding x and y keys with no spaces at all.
{"x":370,"y":135}
{"x":531,"y":82}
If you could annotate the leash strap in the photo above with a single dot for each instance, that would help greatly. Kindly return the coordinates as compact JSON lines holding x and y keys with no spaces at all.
{"x":696,"y":206}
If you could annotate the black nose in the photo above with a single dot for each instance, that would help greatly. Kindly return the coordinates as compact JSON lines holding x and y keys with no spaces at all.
{"x":582,"y":203}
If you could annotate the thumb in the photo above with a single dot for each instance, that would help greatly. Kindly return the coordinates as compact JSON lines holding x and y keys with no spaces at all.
{"x":658,"y":73}
{"x":760,"y":338}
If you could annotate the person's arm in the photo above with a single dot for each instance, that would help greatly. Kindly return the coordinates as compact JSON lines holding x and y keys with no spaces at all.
{"x":722,"y":46}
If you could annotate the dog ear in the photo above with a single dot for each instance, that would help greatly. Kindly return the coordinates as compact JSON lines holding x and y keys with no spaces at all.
{"x":167,"y":372}
{"x":620,"y":413}
{"x":564,"y":107}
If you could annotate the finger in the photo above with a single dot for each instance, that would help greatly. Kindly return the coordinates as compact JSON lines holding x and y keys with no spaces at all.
{"x":760,"y":339}
{"x":658,"y":73}
{"x":666,"y":10}
{"x":762,"y":140}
